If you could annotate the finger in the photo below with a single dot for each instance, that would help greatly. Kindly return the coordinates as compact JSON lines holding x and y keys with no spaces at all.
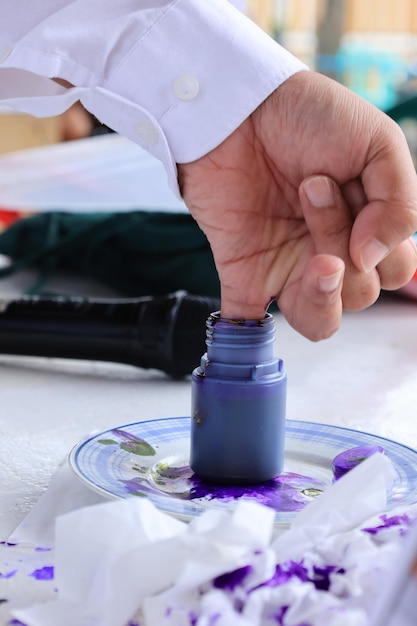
{"x":329,"y":220}
{"x":398,"y":268}
{"x":313,"y":304}
{"x":354,"y":196}
{"x":390,"y":186}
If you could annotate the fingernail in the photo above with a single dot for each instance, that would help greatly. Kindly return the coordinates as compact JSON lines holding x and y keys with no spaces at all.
{"x":372,"y":254}
{"x":319,"y":190}
{"x":331,"y":282}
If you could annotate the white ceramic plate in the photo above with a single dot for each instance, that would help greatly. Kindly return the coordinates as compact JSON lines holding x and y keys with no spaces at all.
{"x":151,"y":459}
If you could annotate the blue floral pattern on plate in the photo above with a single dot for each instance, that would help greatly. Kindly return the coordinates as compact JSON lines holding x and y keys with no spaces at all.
{"x":151,"y":459}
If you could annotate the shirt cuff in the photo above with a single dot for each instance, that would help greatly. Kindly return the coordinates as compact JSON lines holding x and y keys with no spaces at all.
{"x":200,"y":71}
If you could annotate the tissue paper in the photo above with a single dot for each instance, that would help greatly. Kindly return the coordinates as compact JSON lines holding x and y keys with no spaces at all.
{"x":125,"y":562}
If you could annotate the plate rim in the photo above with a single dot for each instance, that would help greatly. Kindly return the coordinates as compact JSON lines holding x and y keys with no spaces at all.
{"x":71,"y":457}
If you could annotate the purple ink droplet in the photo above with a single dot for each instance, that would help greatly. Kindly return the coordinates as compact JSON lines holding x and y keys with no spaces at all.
{"x":44,"y":573}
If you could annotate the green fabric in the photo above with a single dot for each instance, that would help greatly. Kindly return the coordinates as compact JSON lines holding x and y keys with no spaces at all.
{"x":137,"y":253}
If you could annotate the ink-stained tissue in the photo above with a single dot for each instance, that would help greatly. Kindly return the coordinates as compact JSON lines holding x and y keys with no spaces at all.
{"x":126,"y":563}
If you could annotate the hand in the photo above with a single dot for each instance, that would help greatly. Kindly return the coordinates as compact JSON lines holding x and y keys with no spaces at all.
{"x":311,"y":201}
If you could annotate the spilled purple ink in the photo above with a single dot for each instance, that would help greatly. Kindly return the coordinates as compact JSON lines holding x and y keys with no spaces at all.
{"x":9,"y":574}
{"x":44,"y":573}
{"x":287,"y":492}
{"x":39,"y":549}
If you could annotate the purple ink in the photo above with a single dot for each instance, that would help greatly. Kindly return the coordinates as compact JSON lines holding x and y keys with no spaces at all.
{"x":192,"y":618}
{"x":9,"y":574}
{"x":319,"y":576}
{"x":322,"y":576}
{"x":347,"y":460}
{"x":230,"y":580}
{"x":40,"y":549}
{"x":389,"y":522}
{"x":44,"y":573}
{"x":238,"y":403}
{"x":279,"y":616}
{"x":288,"y":492}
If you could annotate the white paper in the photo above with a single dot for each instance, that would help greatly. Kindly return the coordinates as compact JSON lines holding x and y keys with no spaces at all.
{"x":65,"y":493}
{"x":122,"y":559}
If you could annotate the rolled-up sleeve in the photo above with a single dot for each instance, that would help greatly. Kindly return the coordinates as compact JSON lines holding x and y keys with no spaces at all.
{"x":176,"y":77}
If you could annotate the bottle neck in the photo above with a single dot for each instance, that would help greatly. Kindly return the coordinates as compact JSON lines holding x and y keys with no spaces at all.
{"x":241,"y":349}
{"x":238,"y":342}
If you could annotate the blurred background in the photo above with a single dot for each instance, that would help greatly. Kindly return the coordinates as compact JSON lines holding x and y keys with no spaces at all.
{"x":371,"y":46}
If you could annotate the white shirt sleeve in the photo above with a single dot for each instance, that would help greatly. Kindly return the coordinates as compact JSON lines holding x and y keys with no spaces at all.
{"x":177,"y":77}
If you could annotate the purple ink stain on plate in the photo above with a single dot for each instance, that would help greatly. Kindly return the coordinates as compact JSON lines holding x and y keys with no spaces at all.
{"x":348,"y":459}
{"x":288,"y":492}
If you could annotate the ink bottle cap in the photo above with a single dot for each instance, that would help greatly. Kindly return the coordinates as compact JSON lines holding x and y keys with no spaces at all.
{"x":348,"y":459}
{"x":238,"y":397}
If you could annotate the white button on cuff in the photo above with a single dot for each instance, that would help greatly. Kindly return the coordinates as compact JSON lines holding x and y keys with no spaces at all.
{"x":5,"y":52}
{"x":147,"y":133}
{"x":186,"y":87}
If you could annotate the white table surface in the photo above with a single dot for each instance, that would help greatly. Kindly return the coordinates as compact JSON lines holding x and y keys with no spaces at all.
{"x":364,"y":377}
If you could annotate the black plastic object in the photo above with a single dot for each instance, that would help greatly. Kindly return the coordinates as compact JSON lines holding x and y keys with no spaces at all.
{"x":165,"y":333}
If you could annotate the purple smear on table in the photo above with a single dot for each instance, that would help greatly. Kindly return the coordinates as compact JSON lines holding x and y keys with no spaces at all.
{"x":231,"y":580}
{"x":9,"y":574}
{"x":43,"y":549}
{"x":44,"y":573}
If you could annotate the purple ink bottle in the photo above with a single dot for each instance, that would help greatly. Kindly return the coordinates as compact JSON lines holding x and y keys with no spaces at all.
{"x":238,"y":397}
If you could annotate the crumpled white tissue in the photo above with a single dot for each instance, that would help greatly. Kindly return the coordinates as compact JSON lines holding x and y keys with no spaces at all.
{"x":125,"y":562}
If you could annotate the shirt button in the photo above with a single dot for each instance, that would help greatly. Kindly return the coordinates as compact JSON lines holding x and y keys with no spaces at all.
{"x":5,"y":52}
{"x":147,"y":133}
{"x":186,"y":87}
